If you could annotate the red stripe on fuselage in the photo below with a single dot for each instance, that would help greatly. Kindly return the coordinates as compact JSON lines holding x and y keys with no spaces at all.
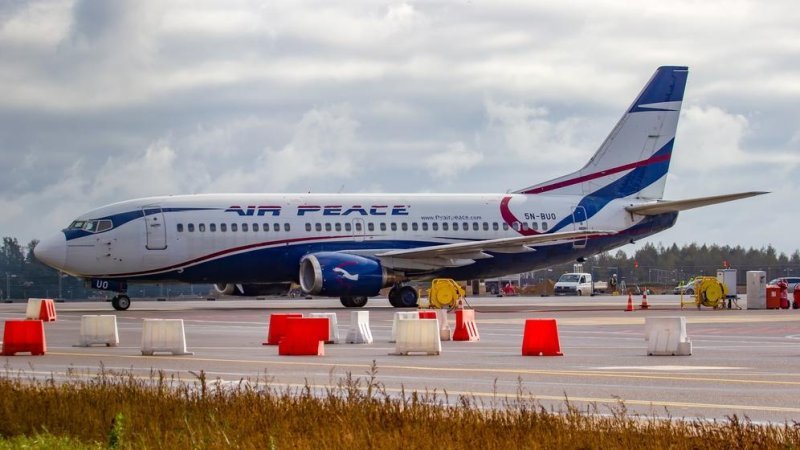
{"x":509,"y":218}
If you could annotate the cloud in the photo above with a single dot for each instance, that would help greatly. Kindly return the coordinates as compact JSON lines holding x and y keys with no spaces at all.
{"x":453,"y":162}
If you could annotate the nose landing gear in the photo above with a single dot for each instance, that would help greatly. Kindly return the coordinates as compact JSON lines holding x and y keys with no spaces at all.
{"x":121,"y":302}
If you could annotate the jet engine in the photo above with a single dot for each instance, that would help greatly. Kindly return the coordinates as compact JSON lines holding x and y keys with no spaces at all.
{"x":336,"y":274}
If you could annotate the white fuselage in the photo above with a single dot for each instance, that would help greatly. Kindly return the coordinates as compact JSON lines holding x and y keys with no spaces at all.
{"x":261,"y":237}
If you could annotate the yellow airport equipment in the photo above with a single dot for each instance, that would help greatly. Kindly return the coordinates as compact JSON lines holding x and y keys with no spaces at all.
{"x":445,"y":292}
{"x":710,"y":292}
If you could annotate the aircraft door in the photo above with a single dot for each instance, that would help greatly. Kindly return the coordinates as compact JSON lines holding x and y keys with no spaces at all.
{"x":580,"y":222}
{"x":358,"y":230}
{"x":155,"y":227}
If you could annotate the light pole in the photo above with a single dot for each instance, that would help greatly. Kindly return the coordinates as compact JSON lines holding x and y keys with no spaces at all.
{"x":9,"y":276}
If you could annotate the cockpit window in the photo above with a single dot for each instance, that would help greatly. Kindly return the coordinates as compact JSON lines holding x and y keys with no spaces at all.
{"x":92,"y":226}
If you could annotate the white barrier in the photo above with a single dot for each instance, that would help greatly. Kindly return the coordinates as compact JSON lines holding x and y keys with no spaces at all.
{"x":444,"y":325}
{"x":98,"y":330}
{"x":333,"y":333}
{"x":418,"y":336}
{"x":401,"y":315}
{"x":163,"y":336}
{"x":667,"y":336}
{"x":359,"y":332}
{"x":34,"y":308}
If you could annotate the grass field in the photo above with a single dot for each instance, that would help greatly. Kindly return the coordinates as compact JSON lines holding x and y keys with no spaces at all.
{"x":118,"y":410}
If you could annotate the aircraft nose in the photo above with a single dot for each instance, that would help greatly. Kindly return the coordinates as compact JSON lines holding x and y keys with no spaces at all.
{"x":52,"y":251}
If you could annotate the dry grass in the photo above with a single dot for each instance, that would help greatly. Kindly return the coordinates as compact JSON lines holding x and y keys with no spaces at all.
{"x":120,"y":411}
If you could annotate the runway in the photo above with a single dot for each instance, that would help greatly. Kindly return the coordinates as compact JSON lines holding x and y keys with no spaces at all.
{"x":743,"y":362}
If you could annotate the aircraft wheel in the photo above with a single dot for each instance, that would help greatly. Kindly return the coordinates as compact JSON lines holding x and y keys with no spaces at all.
{"x":121,"y":302}
{"x":408,"y":297}
{"x":394,"y":297}
{"x":359,"y":302}
{"x":353,"y":302}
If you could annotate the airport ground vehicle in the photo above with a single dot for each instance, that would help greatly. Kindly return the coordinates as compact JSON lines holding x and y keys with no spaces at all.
{"x":791,"y":281}
{"x":579,"y":284}
{"x":687,"y":288}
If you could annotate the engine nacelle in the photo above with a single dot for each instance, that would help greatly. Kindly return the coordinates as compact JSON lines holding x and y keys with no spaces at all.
{"x":252,"y":290}
{"x":340,"y":274}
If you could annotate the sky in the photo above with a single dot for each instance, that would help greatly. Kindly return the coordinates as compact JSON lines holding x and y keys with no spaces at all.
{"x":104,"y":101}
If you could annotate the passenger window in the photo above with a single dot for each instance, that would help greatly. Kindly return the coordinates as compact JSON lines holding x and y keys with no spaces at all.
{"x":234,"y":227}
{"x":180,"y":228}
{"x":348,"y":227}
{"x":475,"y":226}
{"x":371,"y":226}
{"x":535,"y":225}
{"x":287,"y":227}
{"x":338,"y":226}
{"x":308,"y":226}
{"x":544,"y":226}
{"x":276,"y":227}
{"x":190,"y":227}
{"x":201,"y":227}
{"x":424,"y":226}
{"x":516,"y":226}
{"x":394,"y":226}
{"x":414,"y":226}
{"x":244,"y":227}
{"x":404,"y":226}
{"x":358,"y":226}
{"x":444,"y":226}
{"x":485,"y":226}
{"x":435,"y":226}
{"x":455,"y":226}
{"x":524,"y":226}
{"x":328,"y":227}
{"x":383,"y":226}
{"x":318,"y":226}
{"x":223,"y":227}
{"x":505,"y":226}
{"x":495,"y":227}
{"x":265,"y":227}
{"x":212,"y":227}
{"x":255,"y":227}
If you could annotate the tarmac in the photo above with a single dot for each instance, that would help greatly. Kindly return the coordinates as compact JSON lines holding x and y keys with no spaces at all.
{"x":744,"y":362}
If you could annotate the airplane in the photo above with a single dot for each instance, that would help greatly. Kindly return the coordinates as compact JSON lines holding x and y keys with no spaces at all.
{"x":353,"y":245}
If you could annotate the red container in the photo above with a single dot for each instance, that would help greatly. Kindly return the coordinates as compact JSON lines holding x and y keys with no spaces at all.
{"x":796,"y":295}
{"x":773,"y":297}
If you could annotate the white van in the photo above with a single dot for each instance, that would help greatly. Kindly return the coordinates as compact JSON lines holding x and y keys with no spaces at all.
{"x":575,"y":284}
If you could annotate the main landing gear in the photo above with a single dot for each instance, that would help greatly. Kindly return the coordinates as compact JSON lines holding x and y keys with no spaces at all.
{"x":121,"y":302}
{"x":403,"y":297}
{"x":353,"y":302}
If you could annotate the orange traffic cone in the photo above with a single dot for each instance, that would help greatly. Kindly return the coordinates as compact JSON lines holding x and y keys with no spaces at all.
{"x":630,"y":302}
{"x":644,"y":304}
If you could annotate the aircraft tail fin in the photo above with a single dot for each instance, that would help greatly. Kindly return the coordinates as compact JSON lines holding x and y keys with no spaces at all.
{"x":634,"y":159}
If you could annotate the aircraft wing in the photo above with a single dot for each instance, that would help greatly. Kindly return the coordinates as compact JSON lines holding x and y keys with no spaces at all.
{"x":464,"y":253}
{"x":661,"y":207}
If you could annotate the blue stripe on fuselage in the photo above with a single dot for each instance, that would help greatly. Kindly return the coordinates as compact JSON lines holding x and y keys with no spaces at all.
{"x":633,"y":182}
{"x":280,"y":263}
